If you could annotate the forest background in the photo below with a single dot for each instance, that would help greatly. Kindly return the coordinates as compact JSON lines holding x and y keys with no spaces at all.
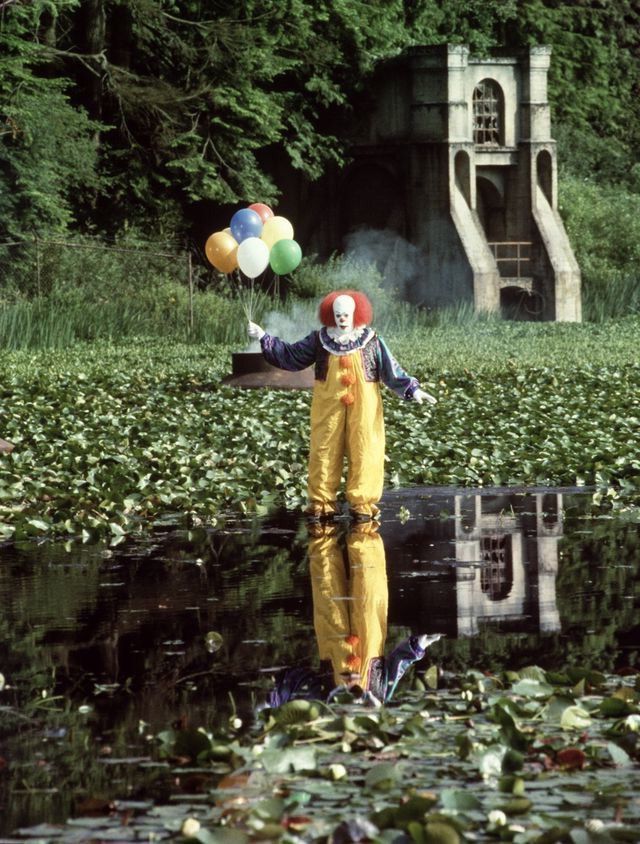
{"x":131,"y":124}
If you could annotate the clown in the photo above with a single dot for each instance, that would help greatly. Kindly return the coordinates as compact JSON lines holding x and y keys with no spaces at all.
{"x":346,"y":411}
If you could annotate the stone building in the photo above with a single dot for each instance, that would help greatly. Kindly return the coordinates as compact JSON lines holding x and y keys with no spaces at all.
{"x":454,"y":154}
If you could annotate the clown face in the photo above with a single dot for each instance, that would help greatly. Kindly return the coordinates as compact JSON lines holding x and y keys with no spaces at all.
{"x":343,"y":308}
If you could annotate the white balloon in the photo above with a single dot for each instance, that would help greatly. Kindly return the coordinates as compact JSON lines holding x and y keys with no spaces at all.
{"x":253,"y":256}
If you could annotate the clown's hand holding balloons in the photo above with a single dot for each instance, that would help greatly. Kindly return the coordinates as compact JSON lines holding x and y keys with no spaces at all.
{"x":346,"y":411}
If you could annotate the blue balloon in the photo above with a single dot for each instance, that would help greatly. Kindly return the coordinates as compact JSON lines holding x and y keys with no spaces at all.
{"x":245,"y":223}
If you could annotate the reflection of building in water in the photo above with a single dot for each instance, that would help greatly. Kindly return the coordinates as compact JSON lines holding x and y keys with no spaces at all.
{"x":512,"y":559}
{"x":476,"y":558}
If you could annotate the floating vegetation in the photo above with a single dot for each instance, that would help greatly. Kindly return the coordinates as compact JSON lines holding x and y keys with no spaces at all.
{"x":109,"y":439}
{"x":528,"y":756}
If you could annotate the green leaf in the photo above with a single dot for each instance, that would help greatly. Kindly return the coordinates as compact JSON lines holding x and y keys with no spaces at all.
{"x":282,"y":761}
{"x":382,"y":776}
{"x":532,"y":688}
{"x":221,"y":835}
{"x":459,"y":801}
{"x":619,"y":756}
{"x":575,"y":718}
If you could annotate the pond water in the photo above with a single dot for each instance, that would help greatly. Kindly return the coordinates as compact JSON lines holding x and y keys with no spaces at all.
{"x":104,"y":647}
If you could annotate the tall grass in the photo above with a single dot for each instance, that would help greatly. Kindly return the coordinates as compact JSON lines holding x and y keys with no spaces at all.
{"x":94,"y":294}
{"x":610,"y":297}
{"x":51,"y":322}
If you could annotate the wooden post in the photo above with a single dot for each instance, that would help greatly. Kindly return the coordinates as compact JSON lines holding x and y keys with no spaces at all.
{"x":190,"y":271}
{"x":38,"y":268}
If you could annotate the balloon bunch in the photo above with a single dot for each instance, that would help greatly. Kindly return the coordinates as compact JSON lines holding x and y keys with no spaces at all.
{"x":255,"y":239}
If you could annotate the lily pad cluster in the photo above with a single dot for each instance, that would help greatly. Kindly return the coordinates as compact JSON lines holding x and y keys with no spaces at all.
{"x":109,"y":440}
{"x":528,"y":756}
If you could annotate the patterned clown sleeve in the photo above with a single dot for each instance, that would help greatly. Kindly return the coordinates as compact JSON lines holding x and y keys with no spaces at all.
{"x":290,"y":356}
{"x":393,"y":375}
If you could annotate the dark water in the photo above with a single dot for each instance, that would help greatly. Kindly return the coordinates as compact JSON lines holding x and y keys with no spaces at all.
{"x":104,"y":647}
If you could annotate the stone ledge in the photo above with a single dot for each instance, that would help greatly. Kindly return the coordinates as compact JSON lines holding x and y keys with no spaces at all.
{"x":524,"y":283}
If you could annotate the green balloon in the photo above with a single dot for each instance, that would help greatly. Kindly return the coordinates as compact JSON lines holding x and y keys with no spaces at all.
{"x":285,"y":256}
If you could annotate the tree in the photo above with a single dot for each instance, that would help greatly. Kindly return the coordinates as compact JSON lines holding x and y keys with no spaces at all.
{"x":172,"y":102}
{"x":47,"y":151}
{"x":594,"y":81}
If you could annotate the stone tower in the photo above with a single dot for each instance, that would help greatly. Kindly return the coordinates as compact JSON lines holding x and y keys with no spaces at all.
{"x":460,"y":151}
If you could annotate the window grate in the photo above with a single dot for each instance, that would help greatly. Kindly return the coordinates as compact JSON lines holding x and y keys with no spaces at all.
{"x":486,"y":114}
{"x":496,"y":575}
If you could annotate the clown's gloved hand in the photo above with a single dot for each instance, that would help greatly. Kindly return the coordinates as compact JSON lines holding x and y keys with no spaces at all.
{"x":420,"y":396}
{"x":254,"y":331}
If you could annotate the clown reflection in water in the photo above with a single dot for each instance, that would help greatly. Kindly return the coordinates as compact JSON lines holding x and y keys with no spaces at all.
{"x":350,"y":601}
{"x":346,"y":412}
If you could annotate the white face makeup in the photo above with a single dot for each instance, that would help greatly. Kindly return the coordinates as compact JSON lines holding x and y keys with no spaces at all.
{"x":343,"y":308}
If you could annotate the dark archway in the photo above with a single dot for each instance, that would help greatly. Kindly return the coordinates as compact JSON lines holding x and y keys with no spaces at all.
{"x":463,"y":174}
{"x":544,"y":171}
{"x":490,"y":206}
{"x":372,"y":197}
{"x":496,"y":573}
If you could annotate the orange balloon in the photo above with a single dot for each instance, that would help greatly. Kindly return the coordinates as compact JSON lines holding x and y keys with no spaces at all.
{"x":222,"y":251}
{"x":263,"y":211}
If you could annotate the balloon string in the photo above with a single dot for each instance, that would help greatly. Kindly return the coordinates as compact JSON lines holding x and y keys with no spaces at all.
{"x":245,"y":310}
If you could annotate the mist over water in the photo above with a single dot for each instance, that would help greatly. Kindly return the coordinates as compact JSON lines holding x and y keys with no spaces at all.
{"x":294,"y":325}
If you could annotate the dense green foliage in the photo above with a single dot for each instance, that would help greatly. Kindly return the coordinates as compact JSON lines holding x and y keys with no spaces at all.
{"x":594,"y":80}
{"x":119,"y":115}
{"x":190,"y":96}
{"x":603,"y":222}
{"x":109,"y":437}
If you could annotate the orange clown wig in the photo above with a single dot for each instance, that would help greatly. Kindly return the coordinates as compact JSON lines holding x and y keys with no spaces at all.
{"x":363,"y":314}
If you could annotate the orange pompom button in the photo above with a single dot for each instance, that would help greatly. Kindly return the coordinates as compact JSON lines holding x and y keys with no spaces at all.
{"x":352,"y":639}
{"x":348,"y":379}
{"x":346,"y":362}
{"x":347,"y":399}
{"x":353,"y":662}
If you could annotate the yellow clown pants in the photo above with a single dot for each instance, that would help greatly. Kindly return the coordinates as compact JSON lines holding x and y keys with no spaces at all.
{"x":349,"y":613}
{"x":346,"y":420}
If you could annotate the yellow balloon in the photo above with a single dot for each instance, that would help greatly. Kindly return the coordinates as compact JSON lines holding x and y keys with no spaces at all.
{"x":275,"y":229}
{"x":222,"y":251}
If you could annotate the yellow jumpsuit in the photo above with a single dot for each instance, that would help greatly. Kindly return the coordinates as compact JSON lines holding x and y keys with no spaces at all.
{"x":349,"y":614}
{"x":346,"y":419}
{"x":346,"y":414}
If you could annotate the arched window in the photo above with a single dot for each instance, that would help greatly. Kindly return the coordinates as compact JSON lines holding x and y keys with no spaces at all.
{"x":488,"y":111}
{"x":496,"y":574}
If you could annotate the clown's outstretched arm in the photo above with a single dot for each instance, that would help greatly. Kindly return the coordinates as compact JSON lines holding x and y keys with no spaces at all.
{"x":290,"y":356}
{"x":394,"y":377}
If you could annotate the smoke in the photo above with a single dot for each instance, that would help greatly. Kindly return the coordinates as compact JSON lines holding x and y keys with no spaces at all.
{"x":400,"y":263}
{"x":291,"y":326}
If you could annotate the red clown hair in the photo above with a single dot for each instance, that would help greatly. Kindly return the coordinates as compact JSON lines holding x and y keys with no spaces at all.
{"x":363,"y":314}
